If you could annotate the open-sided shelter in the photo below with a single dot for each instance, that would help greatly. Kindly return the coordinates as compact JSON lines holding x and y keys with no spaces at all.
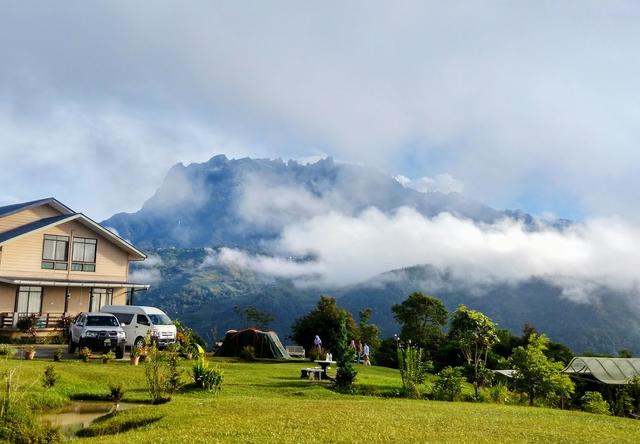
{"x":612,"y":371}
{"x":266,"y":344}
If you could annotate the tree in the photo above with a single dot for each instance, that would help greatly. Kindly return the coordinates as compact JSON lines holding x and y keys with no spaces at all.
{"x":421,"y":319}
{"x":346,"y":373}
{"x":254,"y":317}
{"x":475,"y":334}
{"x":537,"y":375}
{"x":324,"y":320}
{"x":369,"y":333}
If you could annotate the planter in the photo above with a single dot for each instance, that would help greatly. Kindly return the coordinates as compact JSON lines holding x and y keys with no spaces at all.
{"x":134,"y":360}
{"x":29,"y":354}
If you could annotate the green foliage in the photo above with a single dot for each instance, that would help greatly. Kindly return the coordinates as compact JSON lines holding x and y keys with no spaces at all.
{"x":387,"y":353}
{"x":368,"y":333}
{"x":7,"y":350}
{"x":85,"y":354}
{"x":448,"y":386}
{"x":537,"y":375}
{"x":248,"y":353}
{"x":254,"y":317}
{"x":475,"y":334}
{"x":413,"y":369}
{"x":316,"y":354}
{"x":174,"y":380}
{"x":421,"y":319}
{"x":106,"y":357}
{"x":49,"y":377}
{"x":116,"y":393}
{"x":57,"y":355}
{"x":499,"y":393}
{"x":346,"y":372}
{"x":593,"y":402}
{"x":186,"y":337}
{"x":207,"y":377}
{"x":324,"y":320}
{"x":156,"y":368}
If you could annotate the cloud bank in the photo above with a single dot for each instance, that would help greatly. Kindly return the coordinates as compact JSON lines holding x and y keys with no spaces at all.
{"x":350,"y":249}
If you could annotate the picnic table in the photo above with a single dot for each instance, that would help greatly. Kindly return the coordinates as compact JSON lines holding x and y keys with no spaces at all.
{"x":325,"y":365}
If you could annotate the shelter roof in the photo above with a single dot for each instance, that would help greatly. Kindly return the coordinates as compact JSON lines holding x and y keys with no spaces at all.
{"x":606,"y":370}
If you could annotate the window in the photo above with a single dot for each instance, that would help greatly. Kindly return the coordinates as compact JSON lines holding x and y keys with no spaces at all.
{"x":160,"y":319}
{"x":102,"y":321}
{"x":84,"y":254}
{"x":55,"y":252}
{"x":29,"y":300}
{"x":99,"y":298}
{"x":142,"y":320}
{"x":124,"y":318}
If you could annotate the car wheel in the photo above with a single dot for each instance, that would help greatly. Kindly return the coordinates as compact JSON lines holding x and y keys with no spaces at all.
{"x":139,"y":342}
{"x":120,"y":352}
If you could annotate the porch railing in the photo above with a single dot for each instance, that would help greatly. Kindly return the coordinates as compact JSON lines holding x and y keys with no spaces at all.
{"x":43,"y":320}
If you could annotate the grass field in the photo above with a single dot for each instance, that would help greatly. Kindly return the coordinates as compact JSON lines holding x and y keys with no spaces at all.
{"x":267,"y":402}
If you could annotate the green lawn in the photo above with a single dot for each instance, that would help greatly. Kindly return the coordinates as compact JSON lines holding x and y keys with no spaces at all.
{"x":266,"y":402}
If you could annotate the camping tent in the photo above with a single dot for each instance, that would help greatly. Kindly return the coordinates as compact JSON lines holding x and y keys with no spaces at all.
{"x":266,"y":344}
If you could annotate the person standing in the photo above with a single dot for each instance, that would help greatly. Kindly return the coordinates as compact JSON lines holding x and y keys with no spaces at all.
{"x":317,"y":342}
{"x":358,"y":351}
{"x":366,"y":354}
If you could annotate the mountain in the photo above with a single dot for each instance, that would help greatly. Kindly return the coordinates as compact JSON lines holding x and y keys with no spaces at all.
{"x":242,"y":202}
{"x":204,"y":295}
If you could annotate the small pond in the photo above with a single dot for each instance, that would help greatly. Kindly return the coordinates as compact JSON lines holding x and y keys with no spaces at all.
{"x":79,"y":414}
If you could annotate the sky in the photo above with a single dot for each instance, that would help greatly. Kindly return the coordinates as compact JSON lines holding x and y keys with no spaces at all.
{"x":530,"y":105}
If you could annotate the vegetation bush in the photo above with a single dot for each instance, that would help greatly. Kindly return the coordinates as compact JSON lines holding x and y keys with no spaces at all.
{"x":116,"y":393}
{"x":248,"y":353}
{"x":316,"y":354}
{"x":593,"y":402}
{"x":174,"y":381}
{"x":346,"y":373}
{"x":413,"y":369}
{"x":156,"y":369}
{"x":7,"y":350}
{"x":106,"y":357}
{"x":499,"y":393}
{"x":49,"y":377}
{"x":85,"y":354}
{"x":205,"y":376}
{"x":448,"y":386}
{"x":57,"y":355}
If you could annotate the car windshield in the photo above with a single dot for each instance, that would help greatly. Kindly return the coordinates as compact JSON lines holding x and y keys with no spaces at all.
{"x":102,"y":321}
{"x":160,"y":319}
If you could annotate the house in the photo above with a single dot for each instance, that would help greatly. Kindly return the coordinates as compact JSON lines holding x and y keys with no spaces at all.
{"x":56,"y":263}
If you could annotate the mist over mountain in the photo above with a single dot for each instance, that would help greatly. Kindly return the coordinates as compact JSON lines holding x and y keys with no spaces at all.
{"x":277,"y":234}
{"x":242,"y":202}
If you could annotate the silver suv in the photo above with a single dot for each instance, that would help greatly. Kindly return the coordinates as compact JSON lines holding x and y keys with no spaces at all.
{"x":98,"y":332}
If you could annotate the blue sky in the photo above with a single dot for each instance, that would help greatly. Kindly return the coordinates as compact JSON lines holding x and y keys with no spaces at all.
{"x":530,"y":105}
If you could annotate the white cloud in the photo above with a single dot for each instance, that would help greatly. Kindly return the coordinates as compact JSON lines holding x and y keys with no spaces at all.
{"x":512,"y":98}
{"x":351,"y":249}
{"x":147,"y":271}
{"x":443,"y":183}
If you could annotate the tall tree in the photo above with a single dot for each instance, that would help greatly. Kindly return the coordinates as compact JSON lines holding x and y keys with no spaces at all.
{"x":254,"y":317}
{"x":324,"y":320}
{"x":346,"y":373}
{"x":475,"y":334}
{"x":537,"y":375}
{"x":422,"y":319}
{"x":369,"y":333}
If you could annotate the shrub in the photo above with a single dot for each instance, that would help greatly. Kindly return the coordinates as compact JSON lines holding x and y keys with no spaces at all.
{"x":106,"y":357}
{"x":174,"y":381}
{"x":248,"y":353}
{"x":157,"y":373}
{"x":85,"y":354}
{"x":448,"y":387}
{"x":593,"y":402}
{"x":7,"y":350}
{"x":49,"y":377}
{"x":316,"y":354}
{"x":206,"y":377}
{"x":346,"y":373}
{"x":116,"y":393}
{"x":57,"y":355}
{"x":413,"y":369}
{"x":499,"y":393}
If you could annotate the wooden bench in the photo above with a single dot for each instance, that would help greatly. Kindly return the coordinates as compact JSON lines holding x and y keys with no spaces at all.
{"x":311,"y":373}
{"x":296,"y":351}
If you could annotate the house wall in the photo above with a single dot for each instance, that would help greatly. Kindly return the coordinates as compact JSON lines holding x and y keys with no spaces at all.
{"x":7,"y":298}
{"x":53,"y":299}
{"x":27,"y":216}
{"x":23,"y":257}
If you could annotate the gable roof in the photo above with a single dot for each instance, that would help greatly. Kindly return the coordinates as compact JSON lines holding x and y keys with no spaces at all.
{"x":41,"y":224}
{"x":11,"y":209}
{"x":605,"y":370}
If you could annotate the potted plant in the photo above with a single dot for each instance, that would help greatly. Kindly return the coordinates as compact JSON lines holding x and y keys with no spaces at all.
{"x":30,"y":352}
{"x":85,"y":354}
{"x":106,"y":357}
{"x":57,"y":355}
{"x":136,"y":352}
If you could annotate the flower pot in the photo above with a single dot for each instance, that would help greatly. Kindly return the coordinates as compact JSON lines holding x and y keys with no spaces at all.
{"x":29,"y":354}
{"x":134,"y":360}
